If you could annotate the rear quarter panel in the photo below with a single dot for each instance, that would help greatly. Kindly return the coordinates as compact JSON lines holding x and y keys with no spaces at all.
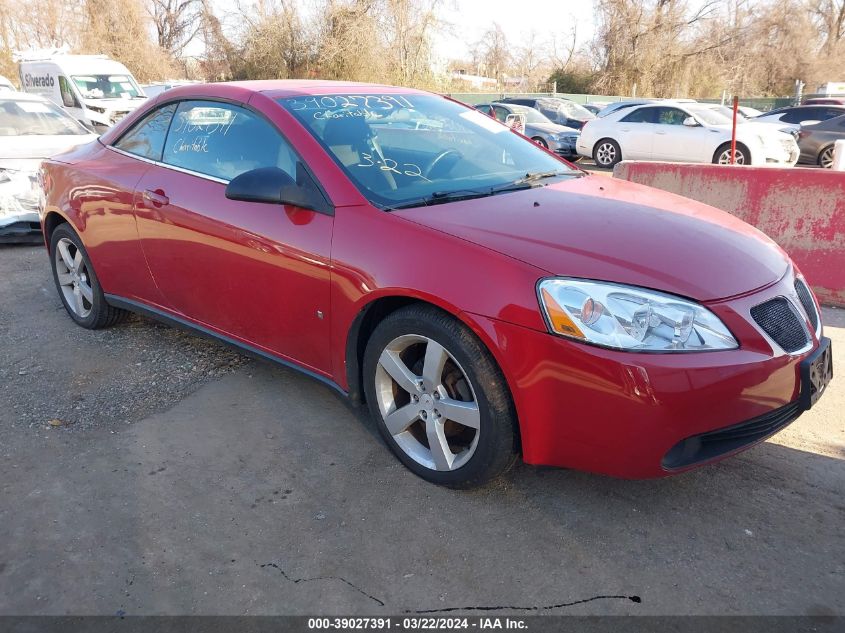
{"x":92,"y":188}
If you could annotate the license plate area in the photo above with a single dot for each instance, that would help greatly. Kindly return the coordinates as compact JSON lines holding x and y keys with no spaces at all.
{"x":816,"y":373}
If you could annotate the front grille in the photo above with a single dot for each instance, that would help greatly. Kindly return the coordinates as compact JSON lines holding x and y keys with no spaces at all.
{"x":781,"y":323}
{"x":707,"y":446}
{"x":806,"y":298}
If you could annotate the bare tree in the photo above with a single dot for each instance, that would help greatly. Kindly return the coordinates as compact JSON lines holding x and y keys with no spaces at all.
{"x":176,"y":22}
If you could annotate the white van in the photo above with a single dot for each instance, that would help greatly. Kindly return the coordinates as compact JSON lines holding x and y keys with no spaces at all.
{"x":94,"y":89}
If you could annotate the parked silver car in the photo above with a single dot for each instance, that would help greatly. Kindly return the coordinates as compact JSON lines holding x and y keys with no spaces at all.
{"x":538,"y":127}
{"x":816,"y":141}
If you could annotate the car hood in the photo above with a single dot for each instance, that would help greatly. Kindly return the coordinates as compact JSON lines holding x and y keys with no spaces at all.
{"x":115,"y":105}
{"x":595,"y":227}
{"x":747,"y":128}
{"x":550,"y":128}
{"x":20,"y":152}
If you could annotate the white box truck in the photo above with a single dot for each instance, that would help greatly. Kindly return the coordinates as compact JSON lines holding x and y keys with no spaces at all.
{"x":94,"y":89}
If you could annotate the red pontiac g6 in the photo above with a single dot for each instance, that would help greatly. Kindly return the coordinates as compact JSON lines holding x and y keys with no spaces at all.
{"x":481,"y":295}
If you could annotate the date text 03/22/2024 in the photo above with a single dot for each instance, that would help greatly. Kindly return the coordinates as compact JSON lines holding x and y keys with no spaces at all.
{"x":416,"y":623}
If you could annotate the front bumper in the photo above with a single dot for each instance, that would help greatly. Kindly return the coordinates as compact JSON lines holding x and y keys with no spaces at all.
{"x":783,"y":154}
{"x":21,"y":232}
{"x":622,"y":413}
{"x":564,"y":148}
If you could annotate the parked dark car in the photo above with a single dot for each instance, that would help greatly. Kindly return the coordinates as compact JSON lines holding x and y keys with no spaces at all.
{"x":561,"y":111}
{"x":538,"y":127}
{"x":825,"y":101}
{"x":796,"y":115}
{"x":816,"y":141}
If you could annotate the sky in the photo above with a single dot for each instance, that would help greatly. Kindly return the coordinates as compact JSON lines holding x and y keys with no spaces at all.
{"x":471,"y":18}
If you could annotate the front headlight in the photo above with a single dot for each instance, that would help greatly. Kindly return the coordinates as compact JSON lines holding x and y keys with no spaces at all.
{"x":630,"y":318}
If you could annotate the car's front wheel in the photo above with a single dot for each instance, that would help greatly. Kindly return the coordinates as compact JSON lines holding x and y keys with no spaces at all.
{"x":77,"y":283}
{"x":439,"y":399}
{"x":607,"y":153}
{"x":540,"y":141}
{"x":722,"y":156}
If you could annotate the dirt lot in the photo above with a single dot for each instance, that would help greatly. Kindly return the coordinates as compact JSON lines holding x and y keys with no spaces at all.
{"x":183,"y":478}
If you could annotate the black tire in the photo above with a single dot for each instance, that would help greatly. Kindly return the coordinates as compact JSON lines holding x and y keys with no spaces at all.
{"x":606,"y":153}
{"x":497,"y":441}
{"x":540,"y":141}
{"x":743,"y":155}
{"x":101,"y":313}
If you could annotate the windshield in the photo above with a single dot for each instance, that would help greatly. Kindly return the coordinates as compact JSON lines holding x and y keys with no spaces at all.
{"x":727,"y":113}
{"x":713,"y":117}
{"x":24,"y":118}
{"x":107,"y":86}
{"x":407,"y":150}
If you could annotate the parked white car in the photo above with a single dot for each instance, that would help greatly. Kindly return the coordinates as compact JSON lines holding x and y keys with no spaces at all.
{"x":31,"y":129}
{"x":682,"y":132}
{"x":6,"y":85}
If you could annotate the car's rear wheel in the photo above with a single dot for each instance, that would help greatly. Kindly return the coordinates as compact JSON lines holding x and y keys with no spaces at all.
{"x":77,"y":283}
{"x":826,"y":157}
{"x":439,"y":399}
{"x":540,"y":141}
{"x":607,"y":153}
{"x":722,"y":156}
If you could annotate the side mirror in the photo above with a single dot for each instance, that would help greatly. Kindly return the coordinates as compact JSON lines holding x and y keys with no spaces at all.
{"x":272,"y":185}
{"x":691,"y":122}
{"x":68,"y":100}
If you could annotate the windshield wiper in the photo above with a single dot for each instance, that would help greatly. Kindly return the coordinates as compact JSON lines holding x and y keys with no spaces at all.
{"x":539,"y":175}
{"x":440,"y":197}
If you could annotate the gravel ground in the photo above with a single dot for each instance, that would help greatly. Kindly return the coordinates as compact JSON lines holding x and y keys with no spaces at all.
{"x":111,"y":376}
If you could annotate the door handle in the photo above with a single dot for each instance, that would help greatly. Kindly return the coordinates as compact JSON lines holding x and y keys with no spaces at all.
{"x":661,"y":133}
{"x":156,"y":198}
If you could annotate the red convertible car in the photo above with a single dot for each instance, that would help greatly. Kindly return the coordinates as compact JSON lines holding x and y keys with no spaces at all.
{"x":482,"y":296}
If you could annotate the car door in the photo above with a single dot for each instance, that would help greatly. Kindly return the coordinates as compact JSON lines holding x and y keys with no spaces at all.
{"x":635,"y":134}
{"x":675,"y":141}
{"x":255,"y":272}
{"x":105,"y":209}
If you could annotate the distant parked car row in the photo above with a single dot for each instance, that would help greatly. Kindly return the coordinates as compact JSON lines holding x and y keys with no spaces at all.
{"x":683,"y":131}
{"x":538,"y":127}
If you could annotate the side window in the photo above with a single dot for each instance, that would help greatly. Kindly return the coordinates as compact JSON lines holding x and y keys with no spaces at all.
{"x":500,"y":113}
{"x":670,"y":116}
{"x":224,"y":141}
{"x":640,"y":115}
{"x":798,"y":115}
{"x":146,"y":138}
{"x":68,"y":98}
{"x":829,"y":113}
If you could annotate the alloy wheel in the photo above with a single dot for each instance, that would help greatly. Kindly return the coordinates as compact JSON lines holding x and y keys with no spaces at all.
{"x":605,"y":154}
{"x":725,"y":157}
{"x":74,"y":279}
{"x":427,"y":403}
{"x":826,"y":159}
